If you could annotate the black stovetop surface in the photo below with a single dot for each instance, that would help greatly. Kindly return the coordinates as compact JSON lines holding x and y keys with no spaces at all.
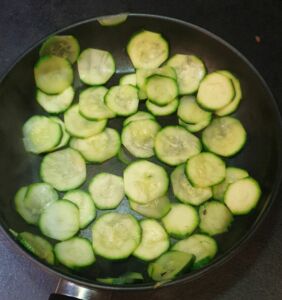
{"x":256,"y":272}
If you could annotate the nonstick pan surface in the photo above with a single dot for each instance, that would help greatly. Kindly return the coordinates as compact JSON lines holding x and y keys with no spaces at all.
{"x":258,"y":112}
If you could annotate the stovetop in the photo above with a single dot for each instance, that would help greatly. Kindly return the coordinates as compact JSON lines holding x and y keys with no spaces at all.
{"x":254,"y":27}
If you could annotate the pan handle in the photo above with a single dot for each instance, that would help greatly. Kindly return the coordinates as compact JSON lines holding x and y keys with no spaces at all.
{"x":67,"y":290}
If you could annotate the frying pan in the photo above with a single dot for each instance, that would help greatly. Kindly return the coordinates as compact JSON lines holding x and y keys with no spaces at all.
{"x":258,"y":113}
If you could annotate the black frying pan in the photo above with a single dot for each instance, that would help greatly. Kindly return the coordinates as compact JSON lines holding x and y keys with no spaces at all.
{"x":258,"y":112}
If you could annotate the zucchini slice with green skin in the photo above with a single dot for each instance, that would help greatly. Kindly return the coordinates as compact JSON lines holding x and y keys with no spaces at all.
{"x":147,"y":50}
{"x":233,"y":105}
{"x":126,"y":278}
{"x":39,"y":196}
{"x":154,"y":241}
{"x":215,"y":218}
{"x":86,"y":207}
{"x":55,"y":104}
{"x":195,"y":127}
{"x":232,"y":174}
{"x":37,"y":246}
{"x":174,"y":145}
{"x":80,"y":127}
{"x":60,"y":220}
{"x":95,"y":66}
{"x":53,"y":74}
{"x":63,"y":169}
{"x":184,"y":191}
{"x":122,"y":99}
{"x":113,"y":20}
{"x":165,"y":110}
{"x":138,"y":137}
{"x":161,"y":90}
{"x":128,"y":79}
{"x":190,"y":70}
{"x":115,"y":236}
{"x":41,"y":134}
{"x":202,"y":246}
{"x":65,"y":46}
{"x":242,"y":196}
{"x":156,"y":208}
{"x":145,"y":181}
{"x":205,"y":169}
{"x":169,"y":265}
{"x":100,"y":147}
{"x":92,"y":106}
{"x":190,"y":112}
{"x":181,"y":220}
{"x":65,"y":135}
{"x":140,"y":115}
{"x":21,"y":208}
{"x":225,"y":136}
{"x":75,"y":253}
{"x":215,"y":91}
{"x":143,"y":74}
{"x":124,"y":156}
{"x":107,"y":190}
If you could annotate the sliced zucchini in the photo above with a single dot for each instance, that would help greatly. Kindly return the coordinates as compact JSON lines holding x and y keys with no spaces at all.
{"x":128,"y":79}
{"x":181,"y":220}
{"x":65,"y":135}
{"x":64,"y":169}
{"x":174,"y":145}
{"x":107,"y":190}
{"x":75,"y":253}
{"x":122,"y":99}
{"x":154,"y":241}
{"x":92,"y":106}
{"x":224,"y":136}
{"x":53,"y":74}
{"x":138,"y":137}
{"x":195,"y":127}
{"x":39,"y":196}
{"x":124,"y":156}
{"x":190,"y":112}
{"x":232,"y":175}
{"x":145,"y":181}
{"x":80,"y":127}
{"x":60,"y":220}
{"x":147,"y":50}
{"x":113,"y":20}
{"x":86,"y":207}
{"x":41,"y":134}
{"x":37,"y":246}
{"x":156,"y":208}
{"x":233,"y":105}
{"x":65,"y":46}
{"x":205,"y":169}
{"x":242,"y":196}
{"x":203,"y":247}
{"x":115,"y":236}
{"x":169,"y":265}
{"x":21,"y":208}
{"x":161,"y":90}
{"x":215,"y":91}
{"x":126,"y":278}
{"x":55,"y":104}
{"x":165,"y":110}
{"x":190,"y":70}
{"x":100,"y":147}
{"x":184,"y":191}
{"x":140,"y":115}
{"x":215,"y":218}
{"x":95,"y":66}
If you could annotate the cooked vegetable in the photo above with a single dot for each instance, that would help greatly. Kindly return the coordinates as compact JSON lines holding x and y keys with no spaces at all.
{"x":113,"y":20}
{"x":165,"y":110}
{"x":126,"y":278}
{"x":140,"y":115}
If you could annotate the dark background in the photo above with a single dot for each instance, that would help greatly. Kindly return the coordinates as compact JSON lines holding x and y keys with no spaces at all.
{"x":256,"y":272}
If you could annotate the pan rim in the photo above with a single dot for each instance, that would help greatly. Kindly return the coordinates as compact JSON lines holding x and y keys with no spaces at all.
{"x":241,"y":242}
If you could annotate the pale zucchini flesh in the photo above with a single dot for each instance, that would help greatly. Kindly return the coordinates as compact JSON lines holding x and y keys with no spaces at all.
{"x":140,"y":115}
{"x":165,"y":110}
{"x":128,"y":79}
{"x":113,"y":20}
{"x":65,"y":135}
{"x":195,"y":127}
